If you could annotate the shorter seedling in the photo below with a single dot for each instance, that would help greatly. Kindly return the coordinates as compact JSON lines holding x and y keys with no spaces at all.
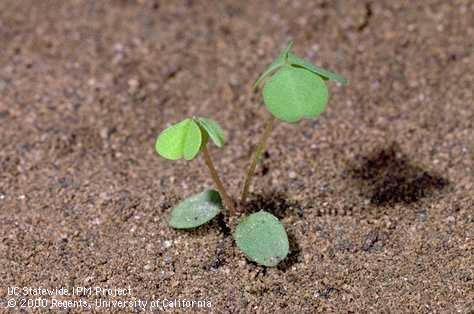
{"x":189,"y":137}
{"x":260,"y":236}
{"x":294,"y":89}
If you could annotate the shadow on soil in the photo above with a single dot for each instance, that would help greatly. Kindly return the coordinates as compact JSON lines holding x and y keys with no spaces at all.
{"x":387,"y":176}
{"x":293,"y":256}
{"x":276,"y":203}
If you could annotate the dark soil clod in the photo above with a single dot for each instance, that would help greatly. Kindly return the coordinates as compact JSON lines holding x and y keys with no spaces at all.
{"x":219,"y":260}
{"x":367,"y":17}
{"x":370,"y":240}
{"x":326,"y":292}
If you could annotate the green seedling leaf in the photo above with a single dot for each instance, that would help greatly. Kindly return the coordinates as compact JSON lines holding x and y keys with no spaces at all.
{"x":262,"y":238}
{"x":294,"y":93}
{"x":213,"y":130}
{"x":182,"y":140}
{"x":196,"y":210}
{"x":297,"y":61}
{"x":277,"y":63}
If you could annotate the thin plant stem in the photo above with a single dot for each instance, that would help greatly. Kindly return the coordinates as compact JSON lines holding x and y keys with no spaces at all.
{"x":256,"y":157}
{"x":215,"y":177}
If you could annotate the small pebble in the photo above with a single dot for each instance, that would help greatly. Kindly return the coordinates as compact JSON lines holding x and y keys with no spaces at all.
{"x":88,"y":279}
{"x":133,"y":83}
{"x":167,"y":244}
{"x":118,"y":47}
{"x":422,"y":215}
{"x":104,"y":133}
{"x":104,"y":196}
{"x":148,"y":267}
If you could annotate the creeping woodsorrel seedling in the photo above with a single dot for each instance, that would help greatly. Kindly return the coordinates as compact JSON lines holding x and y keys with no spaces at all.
{"x":293,"y":89}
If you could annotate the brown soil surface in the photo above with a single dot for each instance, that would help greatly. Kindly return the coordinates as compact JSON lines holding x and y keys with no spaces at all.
{"x":376,"y":195}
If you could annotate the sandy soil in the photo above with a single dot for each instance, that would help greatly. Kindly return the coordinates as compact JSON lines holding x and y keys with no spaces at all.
{"x":376,"y":195}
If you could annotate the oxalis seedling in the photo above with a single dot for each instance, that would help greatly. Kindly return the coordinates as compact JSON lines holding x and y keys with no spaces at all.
{"x":293,"y":89}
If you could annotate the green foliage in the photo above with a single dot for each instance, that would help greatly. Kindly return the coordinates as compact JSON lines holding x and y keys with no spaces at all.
{"x":262,"y":238}
{"x":186,"y":138}
{"x":279,"y":62}
{"x":294,"y":93}
{"x":196,"y":210}
{"x":296,"y":61}
{"x":182,"y":140}
{"x":213,"y":129}
{"x":296,"y":89}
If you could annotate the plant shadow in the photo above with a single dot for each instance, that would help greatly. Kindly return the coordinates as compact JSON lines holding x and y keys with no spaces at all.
{"x":276,"y":203}
{"x":293,"y":255}
{"x":217,"y":223}
{"x":387,"y":177}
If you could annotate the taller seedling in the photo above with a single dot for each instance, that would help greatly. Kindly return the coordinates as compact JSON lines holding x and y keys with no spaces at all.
{"x":294,"y":89}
